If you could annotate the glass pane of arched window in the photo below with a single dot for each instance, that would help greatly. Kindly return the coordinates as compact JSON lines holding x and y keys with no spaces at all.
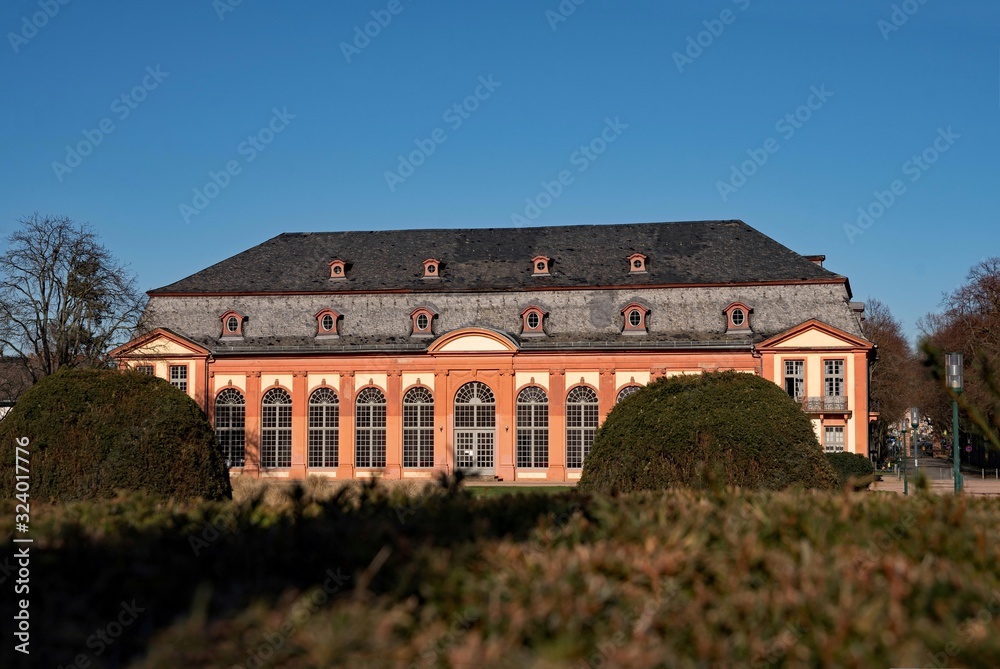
{"x":276,"y":429}
{"x":532,"y":428}
{"x":627,"y":391}
{"x":369,"y":429}
{"x":230,"y":426}
{"x":418,"y":428}
{"x":324,"y":428}
{"x":581,"y":423}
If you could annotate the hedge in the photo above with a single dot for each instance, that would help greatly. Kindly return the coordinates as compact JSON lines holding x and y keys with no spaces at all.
{"x":678,"y":578}
{"x":723,"y":428}
{"x":852,"y":469}
{"x":93,"y":433}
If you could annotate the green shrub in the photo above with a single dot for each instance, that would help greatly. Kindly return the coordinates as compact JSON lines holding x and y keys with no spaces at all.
{"x":373,"y":578}
{"x":724,"y":428}
{"x":94,"y":432}
{"x":852,"y":469}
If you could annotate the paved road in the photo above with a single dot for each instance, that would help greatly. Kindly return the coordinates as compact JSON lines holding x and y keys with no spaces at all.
{"x":939,"y":473}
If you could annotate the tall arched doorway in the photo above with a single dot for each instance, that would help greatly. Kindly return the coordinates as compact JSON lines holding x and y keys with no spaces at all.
{"x":475,"y":428}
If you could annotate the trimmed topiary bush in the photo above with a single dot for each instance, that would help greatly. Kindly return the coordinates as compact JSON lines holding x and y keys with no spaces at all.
{"x":852,"y":469}
{"x":721,"y":428}
{"x":94,"y":432}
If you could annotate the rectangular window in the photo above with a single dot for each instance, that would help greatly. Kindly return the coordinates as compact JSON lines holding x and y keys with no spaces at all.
{"x":533,"y":432}
{"x":324,"y":428}
{"x":833,"y":377}
{"x":145,"y":369}
{"x":369,"y":436}
{"x":418,"y":434}
{"x":276,"y":436}
{"x":179,"y":377}
{"x":795,"y":378}
{"x":833,"y":439}
{"x":581,"y":425}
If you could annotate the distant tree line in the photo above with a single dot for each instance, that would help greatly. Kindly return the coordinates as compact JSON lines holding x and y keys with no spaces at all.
{"x":968,"y":323}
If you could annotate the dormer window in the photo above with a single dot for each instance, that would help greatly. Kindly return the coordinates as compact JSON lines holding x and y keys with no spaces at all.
{"x":635,"y":315}
{"x":432,"y":269}
{"x":338,"y":269}
{"x":533,"y":322}
{"x":738,"y":317}
{"x":423,"y":322}
{"x":540,"y":265}
{"x":232,"y":324}
{"x":327,"y":324}
{"x":637,"y":264}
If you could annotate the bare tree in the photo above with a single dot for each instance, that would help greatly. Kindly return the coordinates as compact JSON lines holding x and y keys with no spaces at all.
{"x":969,"y":324}
{"x":893,"y":374}
{"x":65,"y":301}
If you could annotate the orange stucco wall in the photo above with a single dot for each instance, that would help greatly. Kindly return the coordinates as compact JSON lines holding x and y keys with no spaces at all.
{"x":445,"y":370}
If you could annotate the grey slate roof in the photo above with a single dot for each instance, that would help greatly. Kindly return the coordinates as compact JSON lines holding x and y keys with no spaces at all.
{"x":499,"y":259}
{"x":363,"y":344}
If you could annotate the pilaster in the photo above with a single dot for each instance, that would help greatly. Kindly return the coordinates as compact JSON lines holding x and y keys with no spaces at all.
{"x":345,"y":470}
{"x":394,"y":425}
{"x":300,"y":427}
{"x":557,"y":425}
{"x":251,"y":466}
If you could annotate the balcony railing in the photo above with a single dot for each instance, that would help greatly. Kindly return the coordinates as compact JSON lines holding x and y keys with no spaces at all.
{"x":826,"y":403}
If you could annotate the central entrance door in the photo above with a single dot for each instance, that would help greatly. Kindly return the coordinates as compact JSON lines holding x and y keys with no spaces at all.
{"x":475,"y":428}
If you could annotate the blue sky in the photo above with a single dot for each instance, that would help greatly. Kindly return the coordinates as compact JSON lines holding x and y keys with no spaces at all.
{"x":790,"y":116}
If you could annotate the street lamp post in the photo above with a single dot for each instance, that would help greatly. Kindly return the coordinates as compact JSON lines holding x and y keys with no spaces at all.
{"x":915,"y":423}
{"x":953,"y":362}
{"x":906,"y":482}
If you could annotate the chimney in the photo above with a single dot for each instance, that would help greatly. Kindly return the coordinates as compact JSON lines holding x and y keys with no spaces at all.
{"x":816,"y":259}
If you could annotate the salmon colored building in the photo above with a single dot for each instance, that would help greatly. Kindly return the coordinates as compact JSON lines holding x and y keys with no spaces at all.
{"x":494,"y":351}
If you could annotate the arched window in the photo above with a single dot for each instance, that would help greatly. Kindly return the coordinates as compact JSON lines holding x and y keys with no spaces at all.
{"x":627,"y":391}
{"x":418,"y":428}
{"x":276,"y":429}
{"x":324,"y":426}
{"x":475,"y":428}
{"x":581,"y":423}
{"x":532,"y":428}
{"x":230,"y":426}
{"x":369,"y":429}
